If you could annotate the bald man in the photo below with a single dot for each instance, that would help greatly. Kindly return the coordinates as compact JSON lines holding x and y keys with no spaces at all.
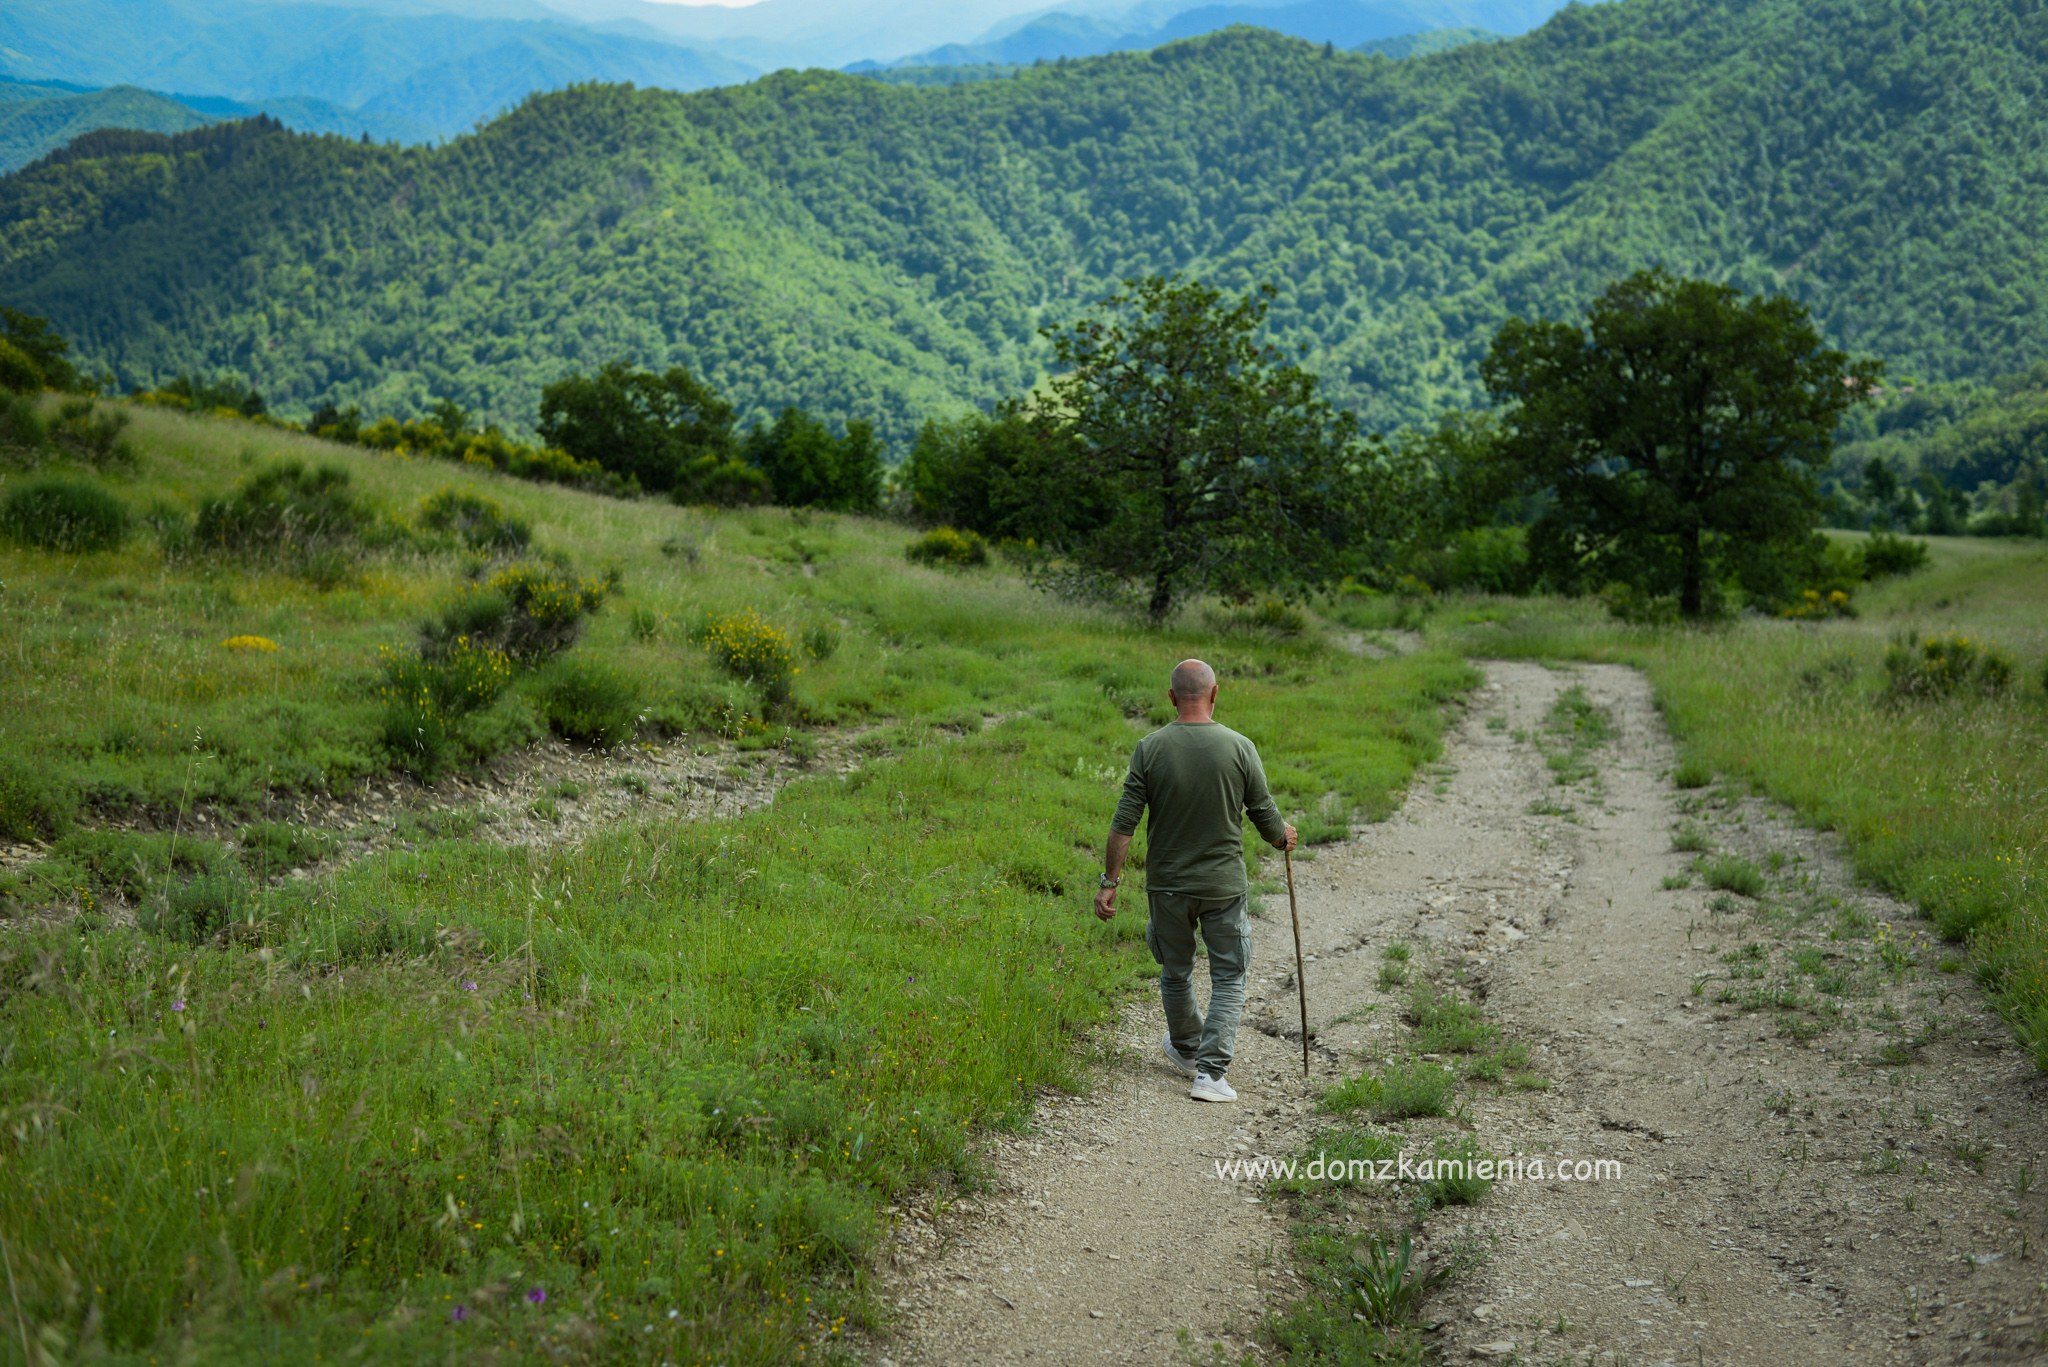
{"x":1199,"y":779}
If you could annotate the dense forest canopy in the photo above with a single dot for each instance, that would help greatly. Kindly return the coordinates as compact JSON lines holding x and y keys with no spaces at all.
{"x":885,"y":252}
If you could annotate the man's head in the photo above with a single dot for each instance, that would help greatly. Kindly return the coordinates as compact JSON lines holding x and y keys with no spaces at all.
{"x":1193,"y":686}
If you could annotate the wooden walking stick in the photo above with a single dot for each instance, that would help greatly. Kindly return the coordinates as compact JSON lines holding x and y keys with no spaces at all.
{"x":1300,"y":974}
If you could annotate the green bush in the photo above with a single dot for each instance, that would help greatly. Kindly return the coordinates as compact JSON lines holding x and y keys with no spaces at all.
{"x":92,"y":434}
{"x":482,"y":524}
{"x":946,"y":546}
{"x":424,"y":695}
{"x":1934,"y":667}
{"x":1267,"y":617}
{"x":1886,"y":555}
{"x":64,"y":515}
{"x":1627,"y":603}
{"x":749,"y":647}
{"x":34,"y":803}
{"x":530,"y":612}
{"x":821,"y":640}
{"x":23,"y":433}
{"x":19,"y":374}
{"x":307,"y":520}
{"x":589,"y":703}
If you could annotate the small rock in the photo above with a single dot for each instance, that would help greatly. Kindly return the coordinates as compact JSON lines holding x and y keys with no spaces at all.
{"x":1498,"y":1349}
{"x":1094,"y":1314}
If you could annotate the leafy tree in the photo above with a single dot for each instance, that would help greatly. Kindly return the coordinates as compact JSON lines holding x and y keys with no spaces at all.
{"x":1677,"y":433}
{"x":807,"y":466}
{"x":39,"y":343}
{"x":1228,"y":472}
{"x":1000,"y":474}
{"x":649,"y":427}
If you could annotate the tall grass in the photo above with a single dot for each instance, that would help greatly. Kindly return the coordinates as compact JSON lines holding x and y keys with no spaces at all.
{"x":644,"y":1098}
{"x":1940,"y":800}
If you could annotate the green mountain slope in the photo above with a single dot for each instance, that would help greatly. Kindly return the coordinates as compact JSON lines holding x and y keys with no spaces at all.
{"x":34,"y":127}
{"x":877,"y":251}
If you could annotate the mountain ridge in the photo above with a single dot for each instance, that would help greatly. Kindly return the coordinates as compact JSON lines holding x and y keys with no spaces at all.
{"x":884,"y":252}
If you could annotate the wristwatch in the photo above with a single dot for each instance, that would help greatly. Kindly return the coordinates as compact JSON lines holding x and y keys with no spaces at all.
{"x":1108,"y":882}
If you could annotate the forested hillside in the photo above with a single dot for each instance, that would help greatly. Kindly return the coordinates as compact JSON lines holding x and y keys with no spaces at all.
{"x":35,"y":120}
{"x":882,"y":251}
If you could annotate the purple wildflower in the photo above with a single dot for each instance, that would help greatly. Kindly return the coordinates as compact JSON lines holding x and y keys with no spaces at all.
{"x":459,"y":1313}
{"x":178,"y":1005}
{"x":468,"y":985}
{"x":537,"y":1296}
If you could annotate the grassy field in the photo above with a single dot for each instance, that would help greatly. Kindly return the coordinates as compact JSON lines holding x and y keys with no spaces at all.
{"x":643,"y":1098}
{"x":1943,"y":801}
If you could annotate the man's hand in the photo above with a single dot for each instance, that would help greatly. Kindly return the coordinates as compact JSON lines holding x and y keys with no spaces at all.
{"x":1289,"y":843}
{"x":1105,"y":903}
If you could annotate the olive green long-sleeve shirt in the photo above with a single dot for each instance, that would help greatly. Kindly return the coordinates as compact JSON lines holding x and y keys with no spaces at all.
{"x":1199,"y":780}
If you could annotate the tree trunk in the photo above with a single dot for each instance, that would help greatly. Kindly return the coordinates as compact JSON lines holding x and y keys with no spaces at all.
{"x":1691,"y":574}
{"x":1162,"y":597}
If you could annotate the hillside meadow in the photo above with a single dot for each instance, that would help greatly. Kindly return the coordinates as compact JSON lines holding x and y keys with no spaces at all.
{"x":649,"y":1096}
{"x":1939,"y":799}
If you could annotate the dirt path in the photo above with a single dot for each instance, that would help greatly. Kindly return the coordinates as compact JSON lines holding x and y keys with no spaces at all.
{"x":1822,"y":1161}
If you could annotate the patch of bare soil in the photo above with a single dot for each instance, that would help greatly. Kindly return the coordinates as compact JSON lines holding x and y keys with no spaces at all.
{"x":545,"y":794}
{"x":1825,"y":1156}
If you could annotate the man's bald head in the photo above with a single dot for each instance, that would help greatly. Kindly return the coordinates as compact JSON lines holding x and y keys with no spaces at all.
{"x":1191,"y":681}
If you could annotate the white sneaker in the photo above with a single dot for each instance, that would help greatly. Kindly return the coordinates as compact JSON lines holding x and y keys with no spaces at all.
{"x":1208,"y":1088}
{"x":1175,"y":1057}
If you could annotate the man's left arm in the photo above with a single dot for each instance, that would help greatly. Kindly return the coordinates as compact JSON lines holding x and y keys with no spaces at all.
{"x":1259,"y":804}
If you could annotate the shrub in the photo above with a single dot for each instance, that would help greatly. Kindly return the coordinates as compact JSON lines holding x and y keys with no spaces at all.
{"x":423,"y":695}
{"x":531,"y":612}
{"x":307,"y":520}
{"x":587,"y":702}
{"x":1628,"y":603}
{"x":1943,"y":666}
{"x":1268,"y":617}
{"x":1886,"y":555}
{"x":646,"y":624}
{"x":34,"y":804}
{"x":22,"y":429}
{"x":19,"y":374}
{"x":1813,"y":605}
{"x":946,"y":546}
{"x":821,"y":640}
{"x":748,"y":647}
{"x":92,"y":434}
{"x":64,"y":515}
{"x":480,"y":523}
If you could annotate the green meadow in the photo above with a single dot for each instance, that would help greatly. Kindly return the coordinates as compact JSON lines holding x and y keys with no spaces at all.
{"x":648,"y":1096}
{"x":1941,"y":800}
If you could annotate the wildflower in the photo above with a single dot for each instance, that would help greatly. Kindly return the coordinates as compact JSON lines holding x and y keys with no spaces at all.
{"x":469,"y":985}
{"x":459,"y":1313}
{"x":261,"y":644}
{"x":178,"y":1005}
{"x":537,"y":1296}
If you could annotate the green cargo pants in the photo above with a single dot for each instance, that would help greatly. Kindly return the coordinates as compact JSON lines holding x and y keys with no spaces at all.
{"x":1226,"y":933}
